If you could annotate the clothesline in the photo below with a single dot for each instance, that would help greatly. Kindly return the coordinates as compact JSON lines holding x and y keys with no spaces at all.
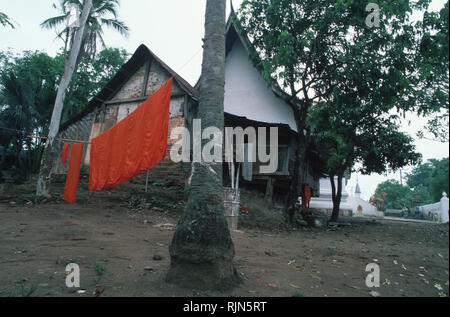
{"x":65,"y":140}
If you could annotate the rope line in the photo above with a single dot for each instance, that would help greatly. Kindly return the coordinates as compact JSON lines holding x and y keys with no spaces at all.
{"x":42,"y":137}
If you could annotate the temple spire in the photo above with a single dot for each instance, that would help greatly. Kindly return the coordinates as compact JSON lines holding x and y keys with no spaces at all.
{"x":232,"y":8}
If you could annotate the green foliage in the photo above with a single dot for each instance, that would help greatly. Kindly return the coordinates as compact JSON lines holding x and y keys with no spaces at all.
{"x":420,"y":175}
{"x":429,"y":180}
{"x":100,"y":271}
{"x":425,"y":185}
{"x":28,"y":86}
{"x":27,"y":93}
{"x":433,"y":65}
{"x":319,"y":48}
{"x":439,"y":179}
{"x":298,"y":294}
{"x":348,"y":83}
{"x":398,"y":195}
{"x":23,"y":291}
{"x":6,"y":21}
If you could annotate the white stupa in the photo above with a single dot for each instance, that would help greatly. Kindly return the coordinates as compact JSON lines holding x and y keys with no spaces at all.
{"x":360,"y":207}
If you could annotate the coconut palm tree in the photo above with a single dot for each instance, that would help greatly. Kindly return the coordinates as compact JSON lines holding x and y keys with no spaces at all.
{"x":202,"y":250}
{"x":103,"y":14}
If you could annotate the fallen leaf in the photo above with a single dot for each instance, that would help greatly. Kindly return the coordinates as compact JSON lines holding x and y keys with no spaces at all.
{"x":438,"y":286}
{"x":395,"y":262}
{"x":315,"y":277}
{"x":297,"y":267}
{"x":294,"y":286}
{"x":272,"y":285}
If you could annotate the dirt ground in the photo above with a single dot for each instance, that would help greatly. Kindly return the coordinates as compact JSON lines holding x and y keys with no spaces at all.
{"x":121,"y":247}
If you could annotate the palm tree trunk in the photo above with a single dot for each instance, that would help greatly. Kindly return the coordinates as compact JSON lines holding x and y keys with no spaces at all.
{"x":43,"y":183}
{"x":202,"y":250}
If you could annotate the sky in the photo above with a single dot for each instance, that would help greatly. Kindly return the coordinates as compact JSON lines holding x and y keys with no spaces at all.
{"x":173,"y":30}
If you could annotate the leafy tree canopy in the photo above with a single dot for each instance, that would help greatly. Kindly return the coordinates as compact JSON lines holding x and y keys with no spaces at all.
{"x":28,"y":85}
{"x":397,"y":195}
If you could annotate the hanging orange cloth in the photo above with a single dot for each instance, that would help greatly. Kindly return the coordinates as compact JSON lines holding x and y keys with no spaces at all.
{"x":76,"y":156}
{"x":65,"y":152}
{"x":135,"y":144}
{"x":306,"y":197}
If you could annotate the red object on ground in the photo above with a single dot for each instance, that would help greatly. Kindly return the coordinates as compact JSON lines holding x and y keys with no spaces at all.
{"x":73,"y":176}
{"x":65,"y":152}
{"x":135,"y":144}
{"x":306,"y":197}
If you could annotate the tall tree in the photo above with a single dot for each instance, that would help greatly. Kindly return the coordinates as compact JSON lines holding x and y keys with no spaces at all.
{"x":397,"y":195}
{"x":433,"y":66}
{"x":202,"y":250}
{"x":317,"y":49}
{"x":43,"y":183}
{"x":349,"y":133}
{"x":104,"y":13}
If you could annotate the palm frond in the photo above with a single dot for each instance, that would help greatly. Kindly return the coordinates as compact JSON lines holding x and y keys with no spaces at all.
{"x":117,"y":25}
{"x":5,"y":20}
{"x":53,"y":23}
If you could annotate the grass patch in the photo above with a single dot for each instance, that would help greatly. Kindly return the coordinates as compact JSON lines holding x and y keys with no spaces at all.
{"x":22,"y":291}
{"x":100,"y":271}
{"x":61,"y":261}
